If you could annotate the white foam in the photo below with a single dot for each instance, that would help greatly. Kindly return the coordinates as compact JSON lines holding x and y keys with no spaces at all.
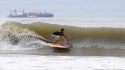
{"x":27,"y":62}
{"x":12,"y":39}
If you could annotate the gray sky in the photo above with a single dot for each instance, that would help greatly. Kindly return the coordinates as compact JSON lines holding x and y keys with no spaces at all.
{"x":68,"y":8}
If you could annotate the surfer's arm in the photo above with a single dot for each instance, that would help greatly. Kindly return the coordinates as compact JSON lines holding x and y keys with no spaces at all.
{"x":64,"y":39}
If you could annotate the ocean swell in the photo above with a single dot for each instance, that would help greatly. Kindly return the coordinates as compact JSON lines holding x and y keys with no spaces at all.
{"x":32,"y":35}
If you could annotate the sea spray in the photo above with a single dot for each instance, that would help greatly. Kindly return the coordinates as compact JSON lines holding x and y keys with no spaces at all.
{"x":13,"y":37}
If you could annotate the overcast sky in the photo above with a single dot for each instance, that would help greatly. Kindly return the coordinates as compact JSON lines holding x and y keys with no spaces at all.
{"x":68,"y":8}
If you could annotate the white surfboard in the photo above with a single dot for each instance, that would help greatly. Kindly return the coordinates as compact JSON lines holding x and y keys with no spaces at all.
{"x":57,"y":46}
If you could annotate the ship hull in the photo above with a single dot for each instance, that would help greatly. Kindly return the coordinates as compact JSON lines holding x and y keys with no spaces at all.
{"x":38,"y":16}
{"x":15,"y":14}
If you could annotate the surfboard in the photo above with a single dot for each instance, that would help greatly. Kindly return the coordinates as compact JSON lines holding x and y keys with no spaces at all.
{"x":57,"y":46}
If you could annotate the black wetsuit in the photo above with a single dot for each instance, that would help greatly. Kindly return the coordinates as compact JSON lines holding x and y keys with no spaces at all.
{"x":58,"y":33}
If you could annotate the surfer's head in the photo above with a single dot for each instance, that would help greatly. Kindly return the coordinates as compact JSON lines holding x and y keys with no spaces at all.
{"x":62,"y":30}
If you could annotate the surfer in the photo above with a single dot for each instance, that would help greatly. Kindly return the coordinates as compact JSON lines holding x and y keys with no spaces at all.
{"x":58,"y":36}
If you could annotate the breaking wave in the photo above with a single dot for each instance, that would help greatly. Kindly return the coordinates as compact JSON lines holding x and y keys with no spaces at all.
{"x":18,"y":36}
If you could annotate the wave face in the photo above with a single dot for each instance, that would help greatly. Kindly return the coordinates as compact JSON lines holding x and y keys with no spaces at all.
{"x":23,"y":34}
{"x":18,"y":36}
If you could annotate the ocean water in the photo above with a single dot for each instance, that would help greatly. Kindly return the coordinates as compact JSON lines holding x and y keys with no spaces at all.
{"x":38,"y":62}
{"x":80,"y":22}
{"x":99,"y":46}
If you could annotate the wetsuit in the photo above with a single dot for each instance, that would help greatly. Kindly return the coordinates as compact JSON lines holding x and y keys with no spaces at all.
{"x":56,"y":35}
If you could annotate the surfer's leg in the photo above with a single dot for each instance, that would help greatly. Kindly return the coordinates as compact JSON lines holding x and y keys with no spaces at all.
{"x":58,"y":40}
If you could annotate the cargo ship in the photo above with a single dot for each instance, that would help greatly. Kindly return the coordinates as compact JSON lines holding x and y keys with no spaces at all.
{"x":22,"y":14}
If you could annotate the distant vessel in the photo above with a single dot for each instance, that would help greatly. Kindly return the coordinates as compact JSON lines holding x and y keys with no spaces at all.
{"x":22,"y":14}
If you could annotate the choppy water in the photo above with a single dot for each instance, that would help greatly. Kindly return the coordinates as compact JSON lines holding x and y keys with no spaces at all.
{"x":22,"y":47}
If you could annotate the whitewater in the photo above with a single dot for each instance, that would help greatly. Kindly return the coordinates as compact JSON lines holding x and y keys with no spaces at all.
{"x":25,"y":49}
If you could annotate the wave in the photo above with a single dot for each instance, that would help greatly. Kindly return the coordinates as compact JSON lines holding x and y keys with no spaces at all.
{"x":13,"y":37}
{"x":33,"y":35}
